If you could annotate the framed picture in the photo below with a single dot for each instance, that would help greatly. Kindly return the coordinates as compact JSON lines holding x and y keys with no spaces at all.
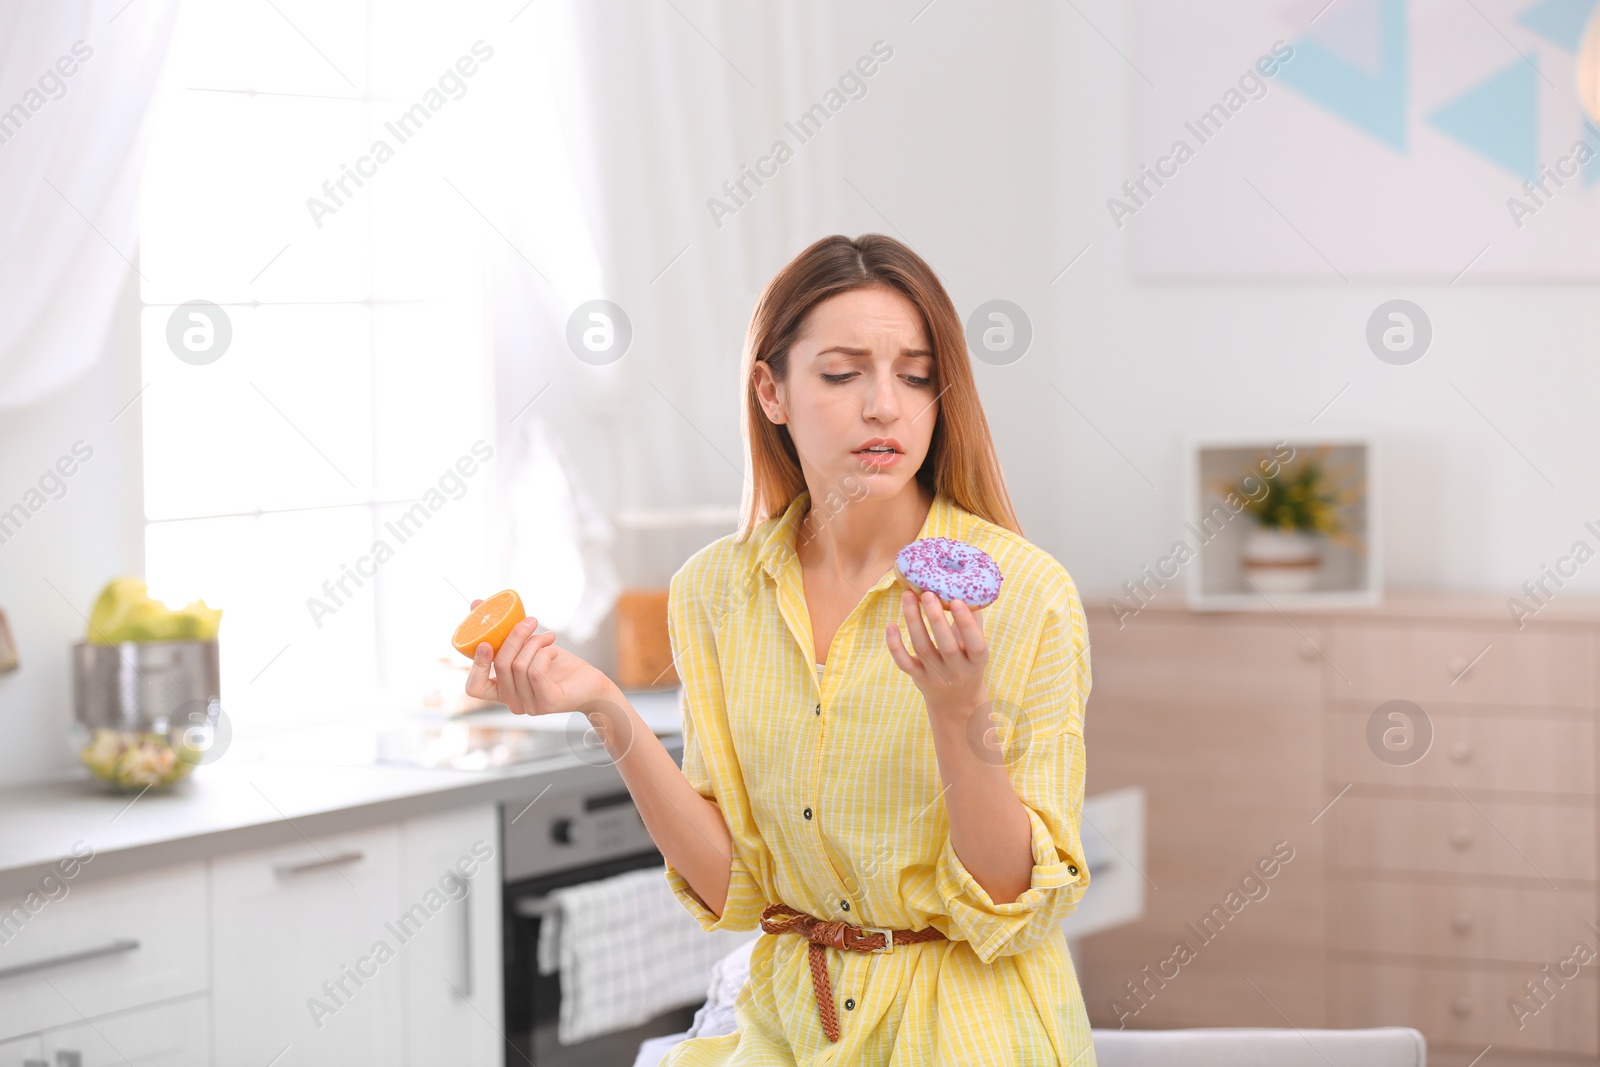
{"x":1369,"y":140}
{"x":1279,"y":522}
{"x":9,"y":661}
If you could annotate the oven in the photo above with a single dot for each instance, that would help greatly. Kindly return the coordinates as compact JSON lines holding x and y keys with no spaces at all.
{"x":580,"y":827}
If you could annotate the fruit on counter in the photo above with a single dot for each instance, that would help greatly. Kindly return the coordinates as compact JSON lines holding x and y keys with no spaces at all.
{"x":490,"y":621}
{"x":132,"y":759}
{"x":125,"y":611}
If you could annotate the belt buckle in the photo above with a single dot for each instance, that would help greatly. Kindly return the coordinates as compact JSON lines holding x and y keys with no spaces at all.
{"x":888,"y":938}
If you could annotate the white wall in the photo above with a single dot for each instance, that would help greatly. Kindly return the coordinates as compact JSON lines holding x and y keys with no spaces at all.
{"x":1465,"y":505}
{"x":990,"y":143}
{"x":52,"y":569}
{"x":995,"y":149}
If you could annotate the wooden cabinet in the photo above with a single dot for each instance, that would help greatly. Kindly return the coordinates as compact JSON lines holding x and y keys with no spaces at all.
{"x":1221,"y":725}
{"x":1458,"y":835}
{"x":1454,"y":890}
{"x":1451,"y":661}
{"x":1468,"y":875}
{"x":1501,"y":749}
{"x":1465,"y":1007}
{"x":1448,"y":918}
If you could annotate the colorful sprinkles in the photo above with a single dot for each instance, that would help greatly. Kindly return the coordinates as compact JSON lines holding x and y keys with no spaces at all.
{"x":950,"y":570}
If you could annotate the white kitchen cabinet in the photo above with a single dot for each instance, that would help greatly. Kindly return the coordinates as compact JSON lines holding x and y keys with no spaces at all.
{"x":19,"y":1051}
{"x":451,"y":961}
{"x":175,"y":1034}
{"x":305,"y":952}
{"x":103,"y":946}
{"x":380,"y":945}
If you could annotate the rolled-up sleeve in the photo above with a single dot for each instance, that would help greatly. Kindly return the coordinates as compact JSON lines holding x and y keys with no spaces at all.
{"x":1044,"y":755}
{"x":709,"y":763}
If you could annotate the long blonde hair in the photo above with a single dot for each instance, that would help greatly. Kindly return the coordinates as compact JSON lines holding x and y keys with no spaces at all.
{"x":961,"y":464}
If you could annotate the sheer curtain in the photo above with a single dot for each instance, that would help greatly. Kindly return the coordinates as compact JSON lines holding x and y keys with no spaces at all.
{"x":76,"y":79}
{"x":661,"y":103}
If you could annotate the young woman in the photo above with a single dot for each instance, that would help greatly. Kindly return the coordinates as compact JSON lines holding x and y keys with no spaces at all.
{"x":891,"y":791}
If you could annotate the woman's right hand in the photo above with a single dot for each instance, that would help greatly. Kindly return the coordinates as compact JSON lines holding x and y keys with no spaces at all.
{"x":534,"y":676}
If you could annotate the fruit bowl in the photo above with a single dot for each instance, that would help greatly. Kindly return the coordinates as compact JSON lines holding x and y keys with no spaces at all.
{"x":146,"y":712}
{"x":131,"y":759}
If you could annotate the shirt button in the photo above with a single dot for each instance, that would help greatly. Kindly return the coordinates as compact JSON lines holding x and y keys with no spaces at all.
{"x":845,"y":904}
{"x":1072,"y":870}
{"x":808,"y":813}
{"x":819,"y":710}
{"x":849,"y":1003}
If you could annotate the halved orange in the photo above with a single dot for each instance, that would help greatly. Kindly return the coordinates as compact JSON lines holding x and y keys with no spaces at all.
{"x":490,"y":621}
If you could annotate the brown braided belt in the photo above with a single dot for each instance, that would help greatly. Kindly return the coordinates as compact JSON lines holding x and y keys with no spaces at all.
{"x":779,"y":918}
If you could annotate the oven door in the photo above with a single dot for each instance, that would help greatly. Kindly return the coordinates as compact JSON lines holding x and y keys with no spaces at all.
{"x":533,"y":1000}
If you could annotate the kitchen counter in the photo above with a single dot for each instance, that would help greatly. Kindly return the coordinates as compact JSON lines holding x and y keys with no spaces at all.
{"x":242,"y":803}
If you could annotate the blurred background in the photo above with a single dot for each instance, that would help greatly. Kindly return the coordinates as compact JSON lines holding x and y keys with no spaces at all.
{"x":339,"y":315}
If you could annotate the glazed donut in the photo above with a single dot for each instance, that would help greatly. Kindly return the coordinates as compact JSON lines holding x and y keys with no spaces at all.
{"x":950,"y":570}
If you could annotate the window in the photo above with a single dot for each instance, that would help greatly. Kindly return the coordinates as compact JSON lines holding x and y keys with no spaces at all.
{"x":325,"y":479}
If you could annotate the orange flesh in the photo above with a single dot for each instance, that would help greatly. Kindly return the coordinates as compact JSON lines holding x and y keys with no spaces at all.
{"x":490,"y":621}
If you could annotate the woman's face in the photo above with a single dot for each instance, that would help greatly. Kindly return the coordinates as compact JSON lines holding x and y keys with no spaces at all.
{"x":859,"y":399}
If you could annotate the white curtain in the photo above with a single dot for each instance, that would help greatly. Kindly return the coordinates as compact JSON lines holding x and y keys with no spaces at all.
{"x":561,"y":544}
{"x":660,"y":104}
{"x":76,"y":81}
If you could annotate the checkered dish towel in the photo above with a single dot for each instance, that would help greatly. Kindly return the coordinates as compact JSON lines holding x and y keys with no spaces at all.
{"x":627,"y":951}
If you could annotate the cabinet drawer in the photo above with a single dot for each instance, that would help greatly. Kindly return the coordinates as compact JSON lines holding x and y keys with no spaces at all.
{"x":1470,"y":1006}
{"x":104,"y":946}
{"x":1530,"y":840}
{"x":1467,"y":664}
{"x":1527,"y":752}
{"x":167,"y":1035}
{"x":1199,"y":661}
{"x":1481,"y":922}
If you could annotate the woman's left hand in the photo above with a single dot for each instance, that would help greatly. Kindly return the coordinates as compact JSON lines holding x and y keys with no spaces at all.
{"x":949,"y":661}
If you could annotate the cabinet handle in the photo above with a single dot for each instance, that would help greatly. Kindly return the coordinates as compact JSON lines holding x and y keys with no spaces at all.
{"x":1460,"y":752}
{"x":1461,"y":838}
{"x":1461,"y":1007}
{"x":289,"y":870}
{"x":466,"y":940}
{"x":115,"y":948}
{"x":1461,"y":922}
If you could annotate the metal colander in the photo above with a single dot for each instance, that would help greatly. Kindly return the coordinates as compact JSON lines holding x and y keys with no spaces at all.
{"x":145,"y":686}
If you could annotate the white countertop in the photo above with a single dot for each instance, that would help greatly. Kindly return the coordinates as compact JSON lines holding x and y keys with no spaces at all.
{"x":249,"y":799}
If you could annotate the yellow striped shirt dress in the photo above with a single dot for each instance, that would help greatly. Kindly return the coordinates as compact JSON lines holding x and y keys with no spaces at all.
{"x":830,"y":788}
